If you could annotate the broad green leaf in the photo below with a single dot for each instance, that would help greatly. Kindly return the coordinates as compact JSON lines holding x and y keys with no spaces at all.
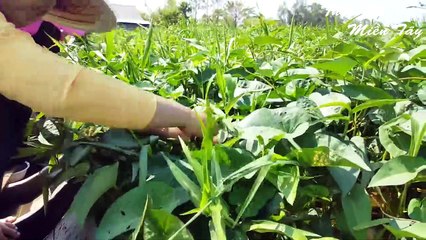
{"x":123,"y":215}
{"x":266,"y":69}
{"x":365,"y":92}
{"x":345,"y":177}
{"x":80,"y":170}
{"x":315,"y":191}
{"x":321,"y":157}
{"x":120,"y":138}
{"x":418,"y":131}
{"x":417,"y":209}
{"x":284,"y":122}
{"x":421,"y":93}
{"x":398,"y":171}
{"x":241,"y":190}
{"x":342,"y":150}
{"x":376,"y":103}
{"x":232,"y":159}
{"x":340,"y":65}
{"x":287,"y":181}
{"x":77,"y":154}
{"x":407,"y":228}
{"x":419,"y":52}
{"x":249,"y":169}
{"x":413,"y":71}
{"x":160,"y":224}
{"x":373,"y":223}
{"x":93,"y":188}
{"x":247,"y":87}
{"x":386,"y":132}
{"x":330,"y":104}
{"x":357,"y":210}
{"x":165,"y":197}
{"x":274,"y":227}
{"x":267,"y":40}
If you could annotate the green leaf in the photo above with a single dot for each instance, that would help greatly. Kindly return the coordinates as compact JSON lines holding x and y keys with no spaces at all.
{"x":365,"y":92}
{"x":371,"y":224}
{"x":185,"y":181}
{"x":398,"y":171}
{"x":120,"y":138}
{"x":340,"y":65}
{"x":357,"y":210}
{"x":345,"y":177}
{"x":417,"y":209}
{"x":342,"y":151}
{"x":288,"y":122}
{"x":248,"y":169}
{"x":165,"y":197}
{"x":123,"y":215}
{"x":274,"y":227}
{"x":267,"y":40}
{"x":231,"y":159}
{"x":93,"y":188}
{"x":78,"y":154}
{"x":385,"y":133}
{"x":330,"y":104}
{"x":259,"y":180}
{"x":79,"y":170}
{"x":418,"y":130}
{"x":160,"y":224}
{"x":196,"y":166}
{"x":407,"y":228}
{"x":321,"y":157}
{"x":375,"y":103}
{"x":287,"y":181}
{"x":241,"y":190}
{"x":143,"y":165}
{"x":419,"y":52}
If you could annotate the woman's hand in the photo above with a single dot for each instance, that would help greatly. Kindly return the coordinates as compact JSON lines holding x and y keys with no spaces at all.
{"x":24,"y":12}
{"x":8,"y":230}
{"x":171,"y":115}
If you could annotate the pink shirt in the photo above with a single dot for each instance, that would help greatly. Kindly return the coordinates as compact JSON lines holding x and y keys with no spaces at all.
{"x":33,"y":28}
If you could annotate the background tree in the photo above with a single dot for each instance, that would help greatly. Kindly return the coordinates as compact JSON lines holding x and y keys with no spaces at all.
{"x":185,"y":9}
{"x":304,"y":14}
{"x":237,"y":11}
{"x":168,"y":15}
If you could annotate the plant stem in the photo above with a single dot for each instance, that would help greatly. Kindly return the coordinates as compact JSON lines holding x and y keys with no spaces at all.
{"x":403,"y":200}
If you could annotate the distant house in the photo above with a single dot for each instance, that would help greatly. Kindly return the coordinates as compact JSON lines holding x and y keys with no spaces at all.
{"x":128,"y":16}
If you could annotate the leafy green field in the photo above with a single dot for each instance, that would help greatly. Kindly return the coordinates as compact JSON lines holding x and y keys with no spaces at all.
{"x":321,"y":135}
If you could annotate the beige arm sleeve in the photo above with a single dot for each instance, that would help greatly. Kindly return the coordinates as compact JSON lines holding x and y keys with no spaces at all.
{"x":37,"y":78}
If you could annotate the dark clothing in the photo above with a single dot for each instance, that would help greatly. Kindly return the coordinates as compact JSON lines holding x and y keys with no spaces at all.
{"x":13,"y":115}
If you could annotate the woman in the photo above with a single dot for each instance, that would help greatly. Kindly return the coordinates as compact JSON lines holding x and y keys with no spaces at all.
{"x":31,"y":77}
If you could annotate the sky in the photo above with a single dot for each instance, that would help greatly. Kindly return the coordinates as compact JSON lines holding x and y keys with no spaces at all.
{"x":386,"y":11}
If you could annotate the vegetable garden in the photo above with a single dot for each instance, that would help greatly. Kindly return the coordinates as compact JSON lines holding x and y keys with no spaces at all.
{"x":321,"y":135}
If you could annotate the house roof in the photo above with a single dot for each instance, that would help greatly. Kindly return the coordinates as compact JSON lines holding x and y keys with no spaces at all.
{"x":127,"y":14}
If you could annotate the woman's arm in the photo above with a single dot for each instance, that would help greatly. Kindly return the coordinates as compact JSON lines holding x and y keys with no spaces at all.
{"x":47,"y":83}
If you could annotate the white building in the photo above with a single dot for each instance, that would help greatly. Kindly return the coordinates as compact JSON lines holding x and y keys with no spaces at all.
{"x":128,"y":16}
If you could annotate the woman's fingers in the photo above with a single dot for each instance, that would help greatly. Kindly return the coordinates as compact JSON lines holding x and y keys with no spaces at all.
{"x":10,"y":219}
{"x":10,"y":232}
{"x":172,"y":132}
{"x":11,"y":225}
